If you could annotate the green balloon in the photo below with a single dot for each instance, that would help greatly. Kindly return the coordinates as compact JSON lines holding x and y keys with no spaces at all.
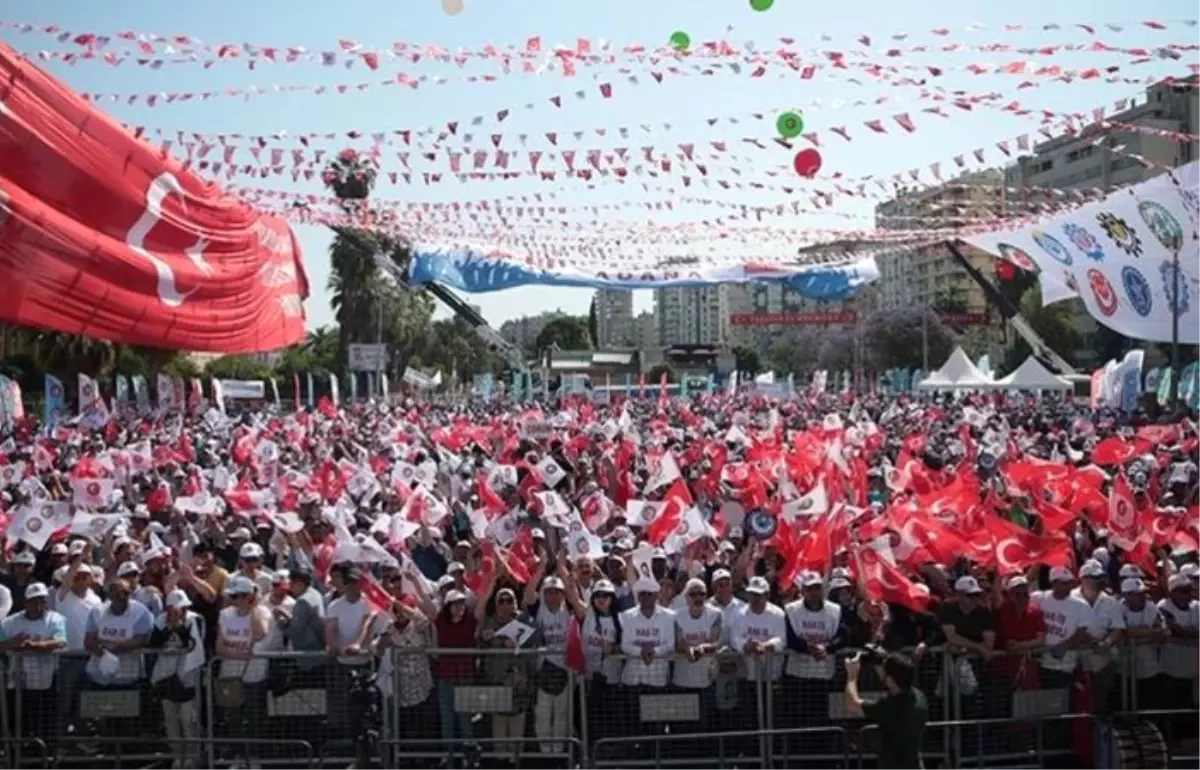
{"x":680,"y":40}
{"x":789,"y":125}
{"x":762,"y":5}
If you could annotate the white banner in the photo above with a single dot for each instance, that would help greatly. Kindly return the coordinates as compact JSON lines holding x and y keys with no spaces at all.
{"x":250,"y":389}
{"x":367,"y":357}
{"x":1118,"y":255}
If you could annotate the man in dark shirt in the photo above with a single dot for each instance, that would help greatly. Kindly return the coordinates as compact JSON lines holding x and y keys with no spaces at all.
{"x":901,"y":714}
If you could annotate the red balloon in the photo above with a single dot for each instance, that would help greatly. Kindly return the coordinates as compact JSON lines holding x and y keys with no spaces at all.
{"x":807,"y":163}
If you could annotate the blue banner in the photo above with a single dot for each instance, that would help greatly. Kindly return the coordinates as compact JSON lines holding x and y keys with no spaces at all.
{"x":55,"y":404}
{"x":477,"y":271}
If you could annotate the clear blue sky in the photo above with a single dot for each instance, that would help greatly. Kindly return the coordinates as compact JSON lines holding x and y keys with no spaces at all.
{"x":684,"y":102}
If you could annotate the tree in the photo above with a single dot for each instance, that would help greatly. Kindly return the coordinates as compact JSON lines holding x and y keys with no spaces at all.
{"x":795,"y":350}
{"x":566,"y":333}
{"x":746,"y":360}
{"x":1056,"y":324}
{"x":455,"y":348}
{"x":837,"y":350}
{"x":237,"y":368}
{"x":654,"y":376}
{"x":68,"y":355}
{"x":892,"y":338}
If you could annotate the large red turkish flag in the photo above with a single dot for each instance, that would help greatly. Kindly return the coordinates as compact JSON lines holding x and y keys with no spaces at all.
{"x":102,"y":234}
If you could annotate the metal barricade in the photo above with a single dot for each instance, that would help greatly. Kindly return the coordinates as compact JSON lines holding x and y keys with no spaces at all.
{"x":485,"y":704}
{"x":648,"y":751}
{"x":485,"y":751}
{"x":24,"y":753}
{"x":112,"y":751}
{"x":723,"y":712}
{"x":257,"y":711}
{"x":866,"y":742}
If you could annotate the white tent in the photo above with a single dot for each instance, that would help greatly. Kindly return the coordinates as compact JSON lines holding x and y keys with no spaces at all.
{"x":1031,"y":375}
{"x":958,"y":373}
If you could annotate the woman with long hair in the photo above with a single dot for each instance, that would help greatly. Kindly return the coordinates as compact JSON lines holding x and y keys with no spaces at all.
{"x":601,"y":633}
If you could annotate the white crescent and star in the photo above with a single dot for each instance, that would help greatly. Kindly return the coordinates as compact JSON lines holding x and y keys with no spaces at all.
{"x":168,"y":293}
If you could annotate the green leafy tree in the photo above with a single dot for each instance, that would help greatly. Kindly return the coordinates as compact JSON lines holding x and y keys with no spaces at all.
{"x":655,"y":374}
{"x":1056,"y":324}
{"x":566,"y":333}
{"x":746,"y":359}
{"x":892,"y":338}
{"x":794,"y":351}
{"x":454,"y":347}
{"x":237,"y":368}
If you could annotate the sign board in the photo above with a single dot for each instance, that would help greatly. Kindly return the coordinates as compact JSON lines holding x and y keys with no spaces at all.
{"x":249,"y":389}
{"x":371,"y":357}
{"x":793,"y":319}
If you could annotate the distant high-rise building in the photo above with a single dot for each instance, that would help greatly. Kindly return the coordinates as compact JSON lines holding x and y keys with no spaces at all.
{"x":646,"y":331}
{"x":523,"y":331}
{"x":693,"y":315}
{"x":614,"y":318}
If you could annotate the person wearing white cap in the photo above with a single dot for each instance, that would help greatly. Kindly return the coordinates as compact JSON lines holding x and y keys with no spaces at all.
{"x":75,"y":601}
{"x":120,"y":628}
{"x":1146,"y":630}
{"x":647,"y":638}
{"x":1104,"y":627}
{"x":19,"y":575}
{"x":1066,"y":619}
{"x":760,"y":629}
{"x":241,"y":627}
{"x":697,"y":637}
{"x":176,"y":674}
{"x":1181,"y":613}
{"x":723,"y":599}
{"x":1020,"y":628}
{"x":814,"y":626}
{"x":36,"y":629}
{"x":546,"y":601}
{"x":250,"y":565}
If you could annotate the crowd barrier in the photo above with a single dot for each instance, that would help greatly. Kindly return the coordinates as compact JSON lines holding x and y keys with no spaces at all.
{"x":507,"y":708}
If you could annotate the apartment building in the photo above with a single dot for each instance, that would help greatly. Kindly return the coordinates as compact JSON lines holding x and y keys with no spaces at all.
{"x":614,"y":319}
{"x":646,"y":331}
{"x":523,"y":331}
{"x":693,"y":315}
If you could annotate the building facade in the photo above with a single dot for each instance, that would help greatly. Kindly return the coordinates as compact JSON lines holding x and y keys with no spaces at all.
{"x":614,"y":318}
{"x":523,"y":331}
{"x":693,"y":315}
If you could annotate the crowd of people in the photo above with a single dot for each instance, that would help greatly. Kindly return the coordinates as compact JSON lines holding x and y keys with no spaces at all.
{"x":518,"y":581}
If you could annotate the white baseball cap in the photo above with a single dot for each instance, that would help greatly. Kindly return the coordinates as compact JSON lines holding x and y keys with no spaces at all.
{"x":250,"y":551}
{"x":36,"y":591}
{"x":128,"y":568}
{"x":1133,"y":585}
{"x":1091,"y":569}
{"x":553,"y":581}
{"x":838,"y":582}
{"x":1061,"y":575}
{"x":25,"y":557}
{"x":1178,"y":581}
{"x":722,"y":574}
{"x":239,"y":586}
{"x":967,"y":585}
{"x":455,"y":566}
{"x":178,"y":598}
{"x":1130,"y":571}
{"x":454,"y":596}
{"x":758,"y":586}
{"x":604,"y":587}
{"x":811,"y":579}
{"x":1016,"y":581}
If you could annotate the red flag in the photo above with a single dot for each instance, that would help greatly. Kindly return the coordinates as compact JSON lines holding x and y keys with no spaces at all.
{"x":377,"y":597}
{"x":574,"y":657}
{"x":123,"y":232}
{"x":1122,"y":514}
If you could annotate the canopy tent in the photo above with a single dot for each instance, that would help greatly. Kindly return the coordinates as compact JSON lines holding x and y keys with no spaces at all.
{"x":1031,"y":375}
{"x":958,"y":373}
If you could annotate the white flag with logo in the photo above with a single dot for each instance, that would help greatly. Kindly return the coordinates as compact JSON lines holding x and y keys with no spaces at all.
{"x":35,"y":523}
{"x":551,"y":472}
{"x":94,"y":525}
{"x":663,"y":470}
{"x":92,"y":493}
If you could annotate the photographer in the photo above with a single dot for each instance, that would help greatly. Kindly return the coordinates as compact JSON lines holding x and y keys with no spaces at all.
{"x":901,"y":714}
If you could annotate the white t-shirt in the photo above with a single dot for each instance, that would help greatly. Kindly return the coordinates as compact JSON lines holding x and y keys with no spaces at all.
{"x":233,"y":629}
{"x":593,"y":647}
{"x":1105,"y":616}
{"x":765,"y":627}
{"x":695,"y":631}
{"x":1179,"y":655}
{"x":728,"y":613}
{"x":350,"y":616}
{"x":637,"y":630}
{"x":36,"y":671}
{"x":1063,"y":617}
{"x":136,"y":620}
{"x":553,"y":624}
{"x":75,"y":611}
{"x":815,"y":627}
{"x":1145,"y":654}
